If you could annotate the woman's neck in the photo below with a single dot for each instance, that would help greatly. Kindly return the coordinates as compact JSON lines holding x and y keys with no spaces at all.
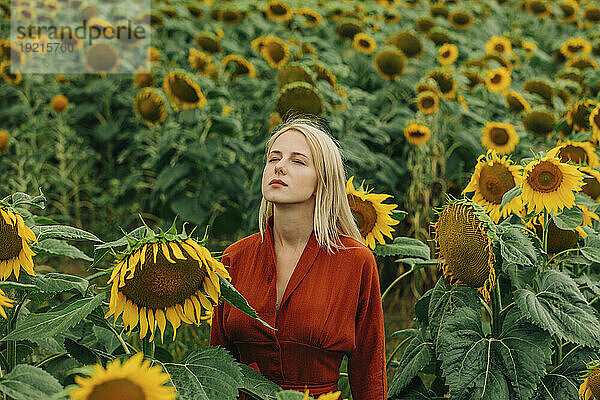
{"x":292,"y":224}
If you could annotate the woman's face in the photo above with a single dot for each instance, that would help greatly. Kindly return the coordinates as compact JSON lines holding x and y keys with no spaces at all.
{"x":290,"y":161}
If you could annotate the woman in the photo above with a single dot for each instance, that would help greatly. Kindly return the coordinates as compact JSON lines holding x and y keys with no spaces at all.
{"x":307,"y":274}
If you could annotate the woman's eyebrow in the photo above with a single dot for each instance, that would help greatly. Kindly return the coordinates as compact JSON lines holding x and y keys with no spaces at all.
{"x":293,"y":153}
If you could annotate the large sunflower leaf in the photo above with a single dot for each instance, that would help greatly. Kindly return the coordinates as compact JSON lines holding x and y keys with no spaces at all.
{"x":418,"y":355}
{"x":207,"y":374}
{"x":488,"y":368}
{"x":416,"y":390}
{"x":56,"y":247}
{"x":26,"y":382}
{"x":569,"y":219}
{"x":63,"y":232}
{"x":516,"y":247}
{"x":406,"y":246}
{"x":55,"y":282}
{"x":36,"y":326}
{"x":560,"y":308}
{"x":256,"y":384}
{"x":230,"y":295}
{"x":445,"y":299}
{"x":289,"y":395}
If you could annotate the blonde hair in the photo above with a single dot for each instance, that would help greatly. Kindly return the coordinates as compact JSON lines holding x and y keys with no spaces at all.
{"x":332,"y":215}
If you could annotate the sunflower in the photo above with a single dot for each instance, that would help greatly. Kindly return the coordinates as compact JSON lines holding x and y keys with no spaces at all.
{"x":241,"y":66}
{"x":408,"y":42}
{"x":15,"y":251}
{"x":439,"y":36}
{"x":323,"y":74}
{"x":576,"y":47}
{"x":498,"y":44}
{"x":161,"y":280}
{"x":541,"y":88}
{"x":417,"y":134}
{"x":348,"y":27}
{"x":500,"y":137}
{"x":299,"y":97}
{"x":539,"y":8}
{"x":447,"y":54}
{"x":594,"y":122}
{"x":278,"y":11}
{"x":463,"y":235}
{"x":98,"y":26}
{"x":372,"y":216}
{"x":150,"y":107}
{"x":208,"y":42}
{"x":153,"y":54}
{"x":101,"y":57}
{"x":25,"y":14}
{"x":59,"y":103}
{"x":275,"y":52}
{"x":445,"y":82}
{"x":143,"y":77}
{"x":569,"y":9}
{"x":591,"y":15}
{"x":573,"y":75}
{"x":515,"y":101}
{"x":540,"y":122}
{"x":558,"y":239}
{"x":530,"y":47}
{"x":309,"y":16}
{"x":231,"y":16}
{"x":194,"y":10}
{"x":427,"y":84}
{"x":473,"y":79}
{"x":590,"y":387}
{"x":294,"y":72}
{"x":134,"y":380}
{"x":591,"y":182}
{"x":461,"y":19}
{"x":496,"y":80}
{"x":492,"y":178}
{"x":550,"y":184}
{"x":364,"y":43}
{"x":9,"y":77}
{"x":578,"y":153}
{"x":428,"y":102}
{"x":579,"y":115}
{"x":390,"y":63}
{"x":4,"y":302}
{"x":391,"y":16}
{"x":88,"y":12}
{"x":10,"y":52}
{"x":582,"y":63}
{"x":424,"y":24}
{"x":4,"y":140}
{"x":182,"y":91}
{"x":564,"y":95}
{"x":438,"y":10}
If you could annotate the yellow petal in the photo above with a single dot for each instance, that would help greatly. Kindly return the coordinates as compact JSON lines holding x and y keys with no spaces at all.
{"x":190,"y":250}
{"x":162,"y":323}
{"x":188,"y":309}
{"x":155,"y":249}
{"x":210,"y":290}
{"x":177,"y":251}
{"x":143,"y":255}
{"x":197,"y":308}
{"x":184,"y":318}
{"x":165,"y":250}
{"x":151,"y":326}
{"x":205,"y":302}
{"x":173,"y":318}
{"x":143,"y":323}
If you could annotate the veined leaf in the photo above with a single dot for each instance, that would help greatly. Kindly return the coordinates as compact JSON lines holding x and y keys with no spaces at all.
{"x":256,"y":384}
{"x":56,"y":247}
{"x":63,"y":232}
{"x":406,"y":246}
{"x":569,"y":219}
{"x":560,"y":308}
{"x":488,"y":368}
{"x":418,"y":355}
{"x":414,"y":391}
{"x":230,"y":295}
{"x":26,"y":382}
{"x":290,"y":395}
{"x":510,"y":195}
{"x":206,"y":374}
{"x":55,"y":282}
{"x":515,"y":247}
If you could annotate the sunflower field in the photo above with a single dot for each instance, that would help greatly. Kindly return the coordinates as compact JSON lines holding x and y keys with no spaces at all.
{"x":469,"y":132}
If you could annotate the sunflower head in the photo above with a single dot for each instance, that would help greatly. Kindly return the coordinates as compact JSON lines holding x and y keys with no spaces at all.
{"x":299,"y":97}
{"x":274,"y":121}
{"x":241,"y":66}
{"x":447,"y":54}
{"x":149,"y":106}
{"x":348,"y":27}
{"x":578,"y":153}
{"x":294,"y":72}
{"x":579,"y":115}
{"x":465,"y":239}
{"x":10,"y":53}
{"x":9,"y":77}
{"x":231,"y":16}
{"x":539,"y":8}
{"x":594,"y":122}
{"x":408,"y":42}
{"x":515,"y":101}
{"x":59,"y":103}
{"x":101,"y":57}
{"x":576,"y":47}
{"x":15,"y":237}
{"x":439,"y":36}
{"x":183,"y":91}
{"x":323,"y":73}
{"x":135,"y":379}
{"x":461,"y":19}
{"x":390,"y":63}
{"x":498,"y":79}
{"x":275,"y":51}
{"x":550,"y":184}
{"x":582,"y":63}
{"x":558,"y":239}
{"x":497,"y":58}
{"x":372,"y":216}
{"x":163,"y":277}
{"x":202,"y":63}
{"x":539,"y":122}
{"x":500,"y":137}
{"x":364,"y":43}
{"x":277,"y":10}
{"x":428,"y":102}
{"x":417,"y":134}
{"x":438,"y":10}
{"x":391,"y":16}
{"x":569,"y":10}
{"x":309,"y":16}
{"x":591,"y":182}
{"x":4,"y":140}
{"x":590,"y":387}
{"x":498,"y":44}
{"x":591,"y":15}
{"x":474,"y":79}
{"x":445,"y":82}
{"x":208,"y":42}
{"x":424,"y":24}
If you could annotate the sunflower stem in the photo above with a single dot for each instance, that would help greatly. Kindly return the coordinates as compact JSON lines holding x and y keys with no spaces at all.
{"x":119,"y":338}
{"x":558,"y":354}
{"x":545,"y":234}
{"x":398,"y":279}
{"x":496,"y":309}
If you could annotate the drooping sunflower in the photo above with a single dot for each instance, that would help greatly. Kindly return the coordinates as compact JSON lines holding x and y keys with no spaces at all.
{"x":59,"y":103}
{"x":9,"y":77}
{"x":183,"y":91}
{"x":101,"y":57}
{"x":473,"y":78}
{"x":492,"y":178}
{"x":540,"y":122}
{"x":134,"y":380}
{"x":149,"y":106}
{"x":591,"y":15}
{"x":428,"y":102}
{"x":9,"y":52}
{"x":500,"y":137}
{"x":461,"y":19}
{"x":160,"y":279}
{"x":309,"y":16}
{"x":576,"y":47}
{"x":498,"y":58}
{"x":573,"y":75}
{"x":208,"y":42}
{"x":15,"y":237}
{"x":515,"y":101}
{"x":231,"y":16}
{"x":299,"y":97}
{"x":438,"y":10}
{"x":594,"y":122}
{"x":4,"y":140}
{"x":348,"y":27}
{"x":323,"y":73}
{"x":373,"y":217}
{"x":591,"y":182}
{"x":424,"y":24}
{"x":153,"y":54}
{"x":98,"y":26}
{"x":539,"y":8}
{"x":558,"y":239}
{"x":590,"y":387}
{"x":194,"y":10}
{"x":579,"y":115}
{"x":465,"y":239}
{"x":417,"y":134}
{"x":550,"y":184}
{"x":439,"y":36}
{"x":202,"y":63}
{"x":391,"y":16}
{"x":294,"y":72}
{"x":408,"y":42}
{"x":275,"y":52}
{"x":447,"y":54}
{"x":530,"y":47}
{"x":498,"y":44}
{"x":277,"y":10}
{"x":578,"y":153}
{"x":364,"y":43}
{"x":497,"y":80}
{"x":390,"y":63}
{"x":143,"y":77}
{"x":569,"y":9}
{"x":541,"y":88}
{"x":582,"y":63}
{"x":242,"y":66}
{"x":445,"y":82}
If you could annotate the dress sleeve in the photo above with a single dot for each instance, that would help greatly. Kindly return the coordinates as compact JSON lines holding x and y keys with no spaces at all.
{"x":366,"y":363}
{"x":217,"y":330}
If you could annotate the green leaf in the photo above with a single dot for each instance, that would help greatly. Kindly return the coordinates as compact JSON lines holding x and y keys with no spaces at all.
{"x":406,"y":246}
{"x":170,"y":176}
{"x":26,"y":382}
{"x":487,"y":368}
{"x":515,"y":247}
{"x":591,"y":248}
{"x":290,"y":395}
{"x":55,"y":321}
{"x":510,"y":195}
{"x":19,"y":198}
{"x":206,"y":374}
{"x":56,"y":247}
{"x":55,"y":282}
{"x":560,"y":308}
{"x":233,"y":297}
{"x":63,"y":232}
{"x":414,"y":391}
{"x":445,"y":299}
{"x":569,"y":219}
{"x":418,"y":355}
{"x":256,"y":384}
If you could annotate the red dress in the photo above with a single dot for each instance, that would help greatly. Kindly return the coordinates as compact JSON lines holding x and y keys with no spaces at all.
{"x":331,"y":307}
